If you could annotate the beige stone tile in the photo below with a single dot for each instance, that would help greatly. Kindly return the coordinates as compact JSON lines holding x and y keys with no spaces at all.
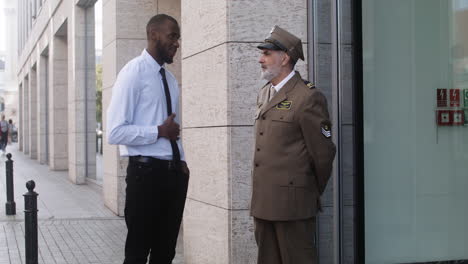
{"x":172,"y":8}
{"x":108,"y":22}
{"x":61,"y":146}
{"x":106,"y":98}
{"x":132,"y":17}
{"x":206,"y":151}
{"x":221,"y":166}
{"x":110,"y":191}
{"x":214,"y":235}
{"x":58,"y":164}
{"x":58,"y":121}
{"x":110,"y":159}
{"x":109,"y":59}
{"x":243,"y":246}
{"x":72,"y":144}
{"x":245,"y":25}
{"x":205,"y":94}
{"x":116,"y":55}
{"x":203,"y":25}
{"x":114,"y":187}
{"x":62,"y":11}
{"x":241,"y":147}
{"x":76,"y":116}
{"x":206,"y":233}
{"x":77,"y":55}
{"x":128,"y":49}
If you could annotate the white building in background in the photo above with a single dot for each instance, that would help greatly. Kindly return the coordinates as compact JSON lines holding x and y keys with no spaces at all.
{"x":9,"y":88}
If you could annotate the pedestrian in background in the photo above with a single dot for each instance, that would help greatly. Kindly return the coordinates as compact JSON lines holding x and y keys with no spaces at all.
{"x":4,"y":134}
{"x":12,"y":132}
{"x":143,"y":119}
{"x":293,"y":155}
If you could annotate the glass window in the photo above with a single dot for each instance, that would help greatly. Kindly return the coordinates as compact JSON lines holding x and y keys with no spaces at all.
{"x":415,"y":66}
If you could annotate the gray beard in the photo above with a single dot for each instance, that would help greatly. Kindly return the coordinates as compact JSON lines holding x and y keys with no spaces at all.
{"x":268,"y":75}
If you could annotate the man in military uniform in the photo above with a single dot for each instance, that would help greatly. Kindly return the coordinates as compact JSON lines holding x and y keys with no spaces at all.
{"x":293,"y":155}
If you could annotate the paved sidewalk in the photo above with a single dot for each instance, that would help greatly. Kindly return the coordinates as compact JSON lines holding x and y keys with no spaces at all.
{"x":74,"y":224}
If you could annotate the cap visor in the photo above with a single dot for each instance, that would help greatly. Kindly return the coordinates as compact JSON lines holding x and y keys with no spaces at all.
{"x":268,"y":45}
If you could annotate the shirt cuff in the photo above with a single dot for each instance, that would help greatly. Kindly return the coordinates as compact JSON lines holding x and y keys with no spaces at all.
{"x":151,"y":133}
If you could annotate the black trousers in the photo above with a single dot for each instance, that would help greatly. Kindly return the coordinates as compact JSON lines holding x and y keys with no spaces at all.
{"x":154,"y":204}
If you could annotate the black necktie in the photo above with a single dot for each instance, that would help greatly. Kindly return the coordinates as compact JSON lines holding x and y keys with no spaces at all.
{"x":175,"y":148}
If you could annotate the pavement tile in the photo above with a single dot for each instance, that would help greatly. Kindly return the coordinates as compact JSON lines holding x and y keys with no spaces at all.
{"x":74,"y":226}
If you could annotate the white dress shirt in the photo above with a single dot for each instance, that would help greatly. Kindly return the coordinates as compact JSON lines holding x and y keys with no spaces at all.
{"x":138,"y":106}
{"x":283,"y":82}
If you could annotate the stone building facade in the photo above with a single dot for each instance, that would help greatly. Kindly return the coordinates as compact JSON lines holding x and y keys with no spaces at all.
{"x":219,"y":76}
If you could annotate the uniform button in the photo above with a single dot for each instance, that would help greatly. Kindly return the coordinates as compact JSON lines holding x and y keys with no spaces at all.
{"x":258,"y":149}
{"x":256,"y":164}
{"x":291,"y":183}
{"x":263,"y":117}
{"x":261,"y":133}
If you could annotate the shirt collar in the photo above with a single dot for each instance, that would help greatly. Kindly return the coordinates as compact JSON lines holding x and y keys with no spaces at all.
{"x":153,"y":63}
{"x":283,"y":82}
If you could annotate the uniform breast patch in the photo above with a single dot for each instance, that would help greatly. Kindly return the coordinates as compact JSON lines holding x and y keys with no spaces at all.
{"x":285,"y":105}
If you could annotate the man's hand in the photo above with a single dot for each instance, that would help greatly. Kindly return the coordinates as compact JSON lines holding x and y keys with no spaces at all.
{"x":169,"y":129}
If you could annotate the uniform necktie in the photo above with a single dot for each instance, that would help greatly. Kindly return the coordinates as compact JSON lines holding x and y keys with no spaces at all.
{"x":175,"y":148}
{"x":272,"y":92}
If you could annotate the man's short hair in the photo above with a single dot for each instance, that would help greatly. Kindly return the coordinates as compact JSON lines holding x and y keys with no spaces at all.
{"x":157,"y":21}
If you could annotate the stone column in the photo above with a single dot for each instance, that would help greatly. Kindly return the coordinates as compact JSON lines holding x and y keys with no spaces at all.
{"x":33,"y":113}
{"x":81,"y":94}
{"x":124,"y":38}
{"x":42,"y":81}
{"x":220,"y":80}
{"x":58,"y":108}
{"x":25,"y":115}
{"x":19,"y":125}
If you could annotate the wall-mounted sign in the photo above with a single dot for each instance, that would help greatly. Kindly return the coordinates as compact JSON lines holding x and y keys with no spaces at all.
{"x":449,"y":111}
{"x":441,"y":97}
{"x":454,"y":97}
{"x":444,"y":118}
{"x":457,"y":117}
{"x":465,"y":98}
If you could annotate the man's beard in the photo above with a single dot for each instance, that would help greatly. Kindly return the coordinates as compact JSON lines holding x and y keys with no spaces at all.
{"x":269,"y":74}
{"x":164,"y":53}
{"x":166,"y":57}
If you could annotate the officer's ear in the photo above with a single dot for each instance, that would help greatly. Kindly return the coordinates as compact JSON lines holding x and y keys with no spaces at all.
{"x":286,"y":59}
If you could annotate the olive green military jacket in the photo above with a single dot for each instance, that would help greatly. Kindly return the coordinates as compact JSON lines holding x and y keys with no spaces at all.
{"x":293,"y":152}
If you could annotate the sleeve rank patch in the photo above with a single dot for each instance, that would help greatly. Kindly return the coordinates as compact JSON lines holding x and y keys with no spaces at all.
{"x":326,"y":130}
{"x":285,"y":105}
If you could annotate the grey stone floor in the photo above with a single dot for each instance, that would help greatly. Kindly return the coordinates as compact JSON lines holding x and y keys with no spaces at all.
{"x":74,"y":225}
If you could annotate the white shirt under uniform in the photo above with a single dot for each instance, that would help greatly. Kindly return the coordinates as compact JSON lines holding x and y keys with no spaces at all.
{"x":284,"y":81}
{"x":138,"y":106}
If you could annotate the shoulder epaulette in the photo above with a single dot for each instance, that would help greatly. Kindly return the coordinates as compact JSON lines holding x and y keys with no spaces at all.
{"x":309,"y":84}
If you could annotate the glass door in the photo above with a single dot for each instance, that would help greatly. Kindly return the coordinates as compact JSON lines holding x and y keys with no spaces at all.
{"x":415,"y":96}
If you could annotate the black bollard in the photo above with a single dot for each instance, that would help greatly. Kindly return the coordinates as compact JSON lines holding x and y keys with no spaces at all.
{"x":100,"y":149}
{"x":30,"y":223}
{"x":10,"y":204}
